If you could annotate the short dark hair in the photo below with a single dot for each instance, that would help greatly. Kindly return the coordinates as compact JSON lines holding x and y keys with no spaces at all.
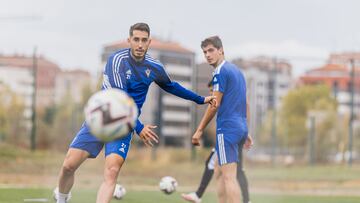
{"x":214,"y":40}
{"x":139,"y":26}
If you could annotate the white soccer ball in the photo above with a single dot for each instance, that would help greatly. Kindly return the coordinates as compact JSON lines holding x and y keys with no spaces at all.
{"x":110,"y":114}
{"x":168,"y":184}
{"x":119,"y":192}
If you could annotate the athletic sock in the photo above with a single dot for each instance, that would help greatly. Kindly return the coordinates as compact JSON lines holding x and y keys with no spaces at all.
{"x":62,"y":197}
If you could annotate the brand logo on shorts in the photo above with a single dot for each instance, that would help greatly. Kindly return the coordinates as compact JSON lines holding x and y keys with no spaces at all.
{"x":122,"y":149}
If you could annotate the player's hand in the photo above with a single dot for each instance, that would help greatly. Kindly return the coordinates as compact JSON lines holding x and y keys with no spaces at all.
{"x":196,"y":138}
{"x":248,"y":142}
{"x":211,"y":100}
{"x":148,"y":136}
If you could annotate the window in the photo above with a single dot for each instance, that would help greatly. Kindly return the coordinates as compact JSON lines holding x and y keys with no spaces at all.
{"x":176,"y":60}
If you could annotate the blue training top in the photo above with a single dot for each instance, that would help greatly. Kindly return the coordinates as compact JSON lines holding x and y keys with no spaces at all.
{"x":231,"y":115}
{"x":123,"y":72}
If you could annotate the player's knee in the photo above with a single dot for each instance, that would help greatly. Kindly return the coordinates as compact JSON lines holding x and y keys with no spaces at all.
{"x":221,"y":194}
{"x":111,"y":173}
{"x":228,"y":177}
{"x":207,"y":164}
{"x":68,"y":169}
{"x":209,"y":167}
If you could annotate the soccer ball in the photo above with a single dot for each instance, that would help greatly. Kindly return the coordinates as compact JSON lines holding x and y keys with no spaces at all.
{"x":168,"y":184}
{"x":119,"y":192}
{"x":110,"y":114}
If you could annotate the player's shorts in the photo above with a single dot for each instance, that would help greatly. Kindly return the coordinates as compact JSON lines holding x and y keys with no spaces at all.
{"x":84,"y":140}
{"x":227,"y":147}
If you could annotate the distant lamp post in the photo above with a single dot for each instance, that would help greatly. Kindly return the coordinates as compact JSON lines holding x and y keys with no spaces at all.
{"x":351,"y":120}
{"x":33,"y":116}
{"x":273,"y":86}
{"x":314,"y":117}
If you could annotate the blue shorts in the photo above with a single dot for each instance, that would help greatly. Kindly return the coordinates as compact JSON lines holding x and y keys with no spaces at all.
{"x":84,"y":140}
{"x":227,"y":147}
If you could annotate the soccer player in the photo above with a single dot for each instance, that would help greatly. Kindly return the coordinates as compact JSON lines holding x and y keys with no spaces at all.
{"x":131,"y":70}
{"x":229,"y":89}
{"x":195,"y":197}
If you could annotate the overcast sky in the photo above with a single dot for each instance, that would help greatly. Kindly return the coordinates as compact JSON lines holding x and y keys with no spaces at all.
{"x":72,"y":32}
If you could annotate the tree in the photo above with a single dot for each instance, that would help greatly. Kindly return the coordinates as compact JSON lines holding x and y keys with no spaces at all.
{"x":12,"y":120}
{"x":294,"y":114}
{"x":59,"y":123}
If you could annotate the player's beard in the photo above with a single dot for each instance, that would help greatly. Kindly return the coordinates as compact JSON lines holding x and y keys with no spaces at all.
{"x":138,"y":55}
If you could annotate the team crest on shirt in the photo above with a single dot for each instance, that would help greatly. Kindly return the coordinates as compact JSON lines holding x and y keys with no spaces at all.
{"x":147,"y":71}
{"x":128,"y":74}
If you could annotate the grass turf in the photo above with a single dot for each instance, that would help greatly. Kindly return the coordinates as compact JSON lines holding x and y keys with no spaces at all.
{"x":15,"y":195}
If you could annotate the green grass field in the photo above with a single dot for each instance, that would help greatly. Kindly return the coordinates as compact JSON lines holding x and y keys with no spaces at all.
{"x":81,"y":196}
{"x":29,"y":175}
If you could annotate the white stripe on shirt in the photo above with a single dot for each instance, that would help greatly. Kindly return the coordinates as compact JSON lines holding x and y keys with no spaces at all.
{"x":218,"y":68}
{"x":116,"y":67}
{"x":153,"y":61}
{"x":114,"y":64}
{"x":106,"y":82}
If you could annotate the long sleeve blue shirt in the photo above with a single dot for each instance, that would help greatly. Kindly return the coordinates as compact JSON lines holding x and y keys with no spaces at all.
{"x":123,"y":72}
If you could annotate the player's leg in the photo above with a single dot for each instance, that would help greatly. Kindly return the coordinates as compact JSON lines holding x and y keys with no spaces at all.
{"x":242,"y":177}
{"x":113,"y":164}
{"x":227,"y":152}
{"x":115,"y":152}
{"x":74,"y":158}
{"x":220,"y":184}
{"x":205,"y":180}
{"x":82,"y":147}
{"x":208,"y":173}
{"x":228,"y":172}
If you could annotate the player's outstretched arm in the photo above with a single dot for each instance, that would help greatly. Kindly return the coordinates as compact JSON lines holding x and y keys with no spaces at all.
{"x":148,"y":136}
{"x":172,"y":87}
{"x":211,"y":100}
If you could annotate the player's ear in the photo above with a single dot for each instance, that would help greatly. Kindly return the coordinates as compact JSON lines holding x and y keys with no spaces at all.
{"x":149,"y":41}
{"x":221,"y":50}
{"x":128,"y":39}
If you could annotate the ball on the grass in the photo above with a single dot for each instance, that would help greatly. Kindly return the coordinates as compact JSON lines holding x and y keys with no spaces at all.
{"x":168,"y":184}
{"x":119,"y":192}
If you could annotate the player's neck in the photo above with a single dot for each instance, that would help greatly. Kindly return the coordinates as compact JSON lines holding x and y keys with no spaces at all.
{"x":215,"y":65}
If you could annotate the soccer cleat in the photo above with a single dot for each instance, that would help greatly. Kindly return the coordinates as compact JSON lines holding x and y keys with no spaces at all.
{"x":56,"y":194}
{"x":191,"y":197}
